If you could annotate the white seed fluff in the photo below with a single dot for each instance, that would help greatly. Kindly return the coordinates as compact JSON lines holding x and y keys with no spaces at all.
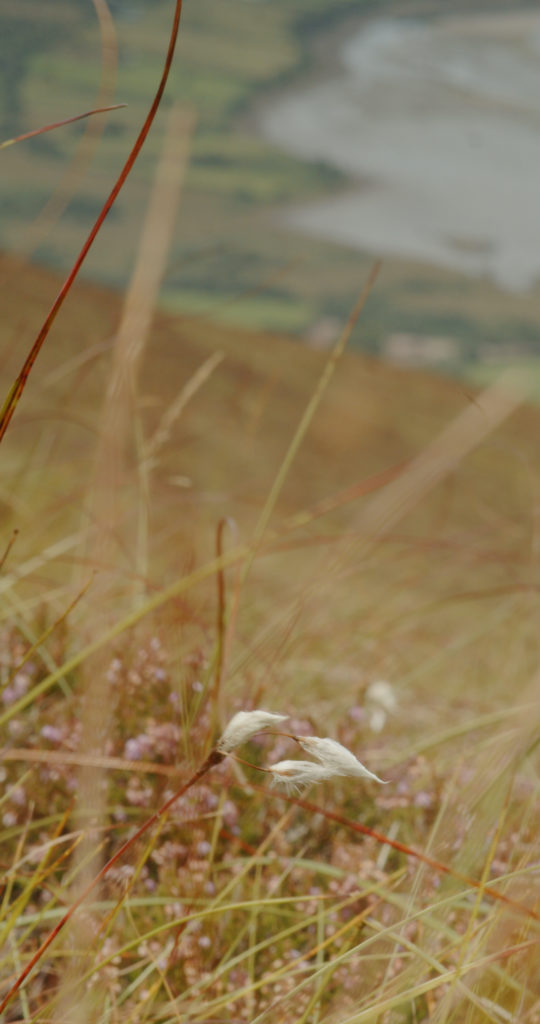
{"x":244,"y":725}
{"x":336,"y":758}
{"x":293,"y":775}
{"x":380,"y":701}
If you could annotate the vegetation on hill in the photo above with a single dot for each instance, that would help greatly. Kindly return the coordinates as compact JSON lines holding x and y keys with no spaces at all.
{"x":241,"y":905}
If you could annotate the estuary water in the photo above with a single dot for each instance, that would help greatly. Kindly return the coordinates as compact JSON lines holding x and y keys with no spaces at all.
{"x":437,"y":124}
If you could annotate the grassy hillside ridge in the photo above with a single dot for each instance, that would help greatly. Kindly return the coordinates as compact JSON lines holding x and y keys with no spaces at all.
{"x":227,"y":445}
{"x":374,"y":416}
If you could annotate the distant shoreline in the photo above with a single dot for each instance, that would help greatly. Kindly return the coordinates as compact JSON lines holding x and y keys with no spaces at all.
{"x":431,"y":124}
{"x":322,"y":47}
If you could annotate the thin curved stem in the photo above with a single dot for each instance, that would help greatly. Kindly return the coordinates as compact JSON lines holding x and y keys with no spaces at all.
{"x":19,"y":384}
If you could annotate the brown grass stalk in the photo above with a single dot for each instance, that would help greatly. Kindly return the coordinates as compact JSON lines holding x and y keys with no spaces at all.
{"x":60,"y":124}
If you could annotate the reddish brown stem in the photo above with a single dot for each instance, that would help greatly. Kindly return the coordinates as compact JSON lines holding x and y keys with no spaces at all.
{"x":409,"y":851}
{"x":249,"y":764}
{"x":60,"y":124}
{"x":20,"y":383}
{"x":9,"y":546}
{"x":214,"y":757}
{"x":221,"y":609}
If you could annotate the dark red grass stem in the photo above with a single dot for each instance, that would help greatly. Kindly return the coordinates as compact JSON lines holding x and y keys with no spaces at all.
{"x":19,"y":384}
{"x":409,"y":851}
{"x":214,"y":757}
{"x":60,"y":124}
{"x":9,"y":546}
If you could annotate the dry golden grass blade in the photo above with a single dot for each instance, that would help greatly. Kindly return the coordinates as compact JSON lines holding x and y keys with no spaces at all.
{"x":405,"y":998}
{"x":111,"y":472}
{"x":86,"y":149}
{"x":480,"y":419}
{"x":143,"y":290}
{"x":291,"y":454}
{"x":120,"y":407}
{"x":310,"y":410}
{"x":164,"y":428}
{"x":115,"y":764}
{"x":33,"y":565}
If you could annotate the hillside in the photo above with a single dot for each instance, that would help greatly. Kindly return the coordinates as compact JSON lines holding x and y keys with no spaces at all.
{"x":232,"y":435}
{"x":224,"y":449}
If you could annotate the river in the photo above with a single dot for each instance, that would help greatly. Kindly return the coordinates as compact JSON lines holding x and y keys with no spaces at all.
{"x":436,"y":123}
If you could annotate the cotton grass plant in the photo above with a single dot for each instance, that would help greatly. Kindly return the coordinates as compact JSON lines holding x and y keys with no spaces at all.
{"x":333,"y":758}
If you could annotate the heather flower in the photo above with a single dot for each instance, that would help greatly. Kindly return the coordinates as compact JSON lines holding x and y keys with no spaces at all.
{"x":293,"y":775}
{"x":244,"y":725}
{"x":334,"y":757}
{"x":17,"y":795}
{"x":137,"y":748}
{"x":21,"y":682}
{"x":52,"y":733}
{"x":164,"y":738}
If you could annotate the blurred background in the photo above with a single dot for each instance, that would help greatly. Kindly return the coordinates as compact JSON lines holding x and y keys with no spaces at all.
{"x":313,"y":136}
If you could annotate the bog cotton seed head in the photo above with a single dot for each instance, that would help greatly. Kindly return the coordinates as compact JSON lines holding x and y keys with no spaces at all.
{"x":244,"y":725}
{"x":293,"y":775}
{"x":334,"y":757}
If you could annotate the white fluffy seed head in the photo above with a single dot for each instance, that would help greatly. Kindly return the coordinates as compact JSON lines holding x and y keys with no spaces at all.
{"x":380,"y":701}
{"x":335,"y":758}
{"x":382,"y":693}
{"x":244,"y":725}
{"x":292,"y":776}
